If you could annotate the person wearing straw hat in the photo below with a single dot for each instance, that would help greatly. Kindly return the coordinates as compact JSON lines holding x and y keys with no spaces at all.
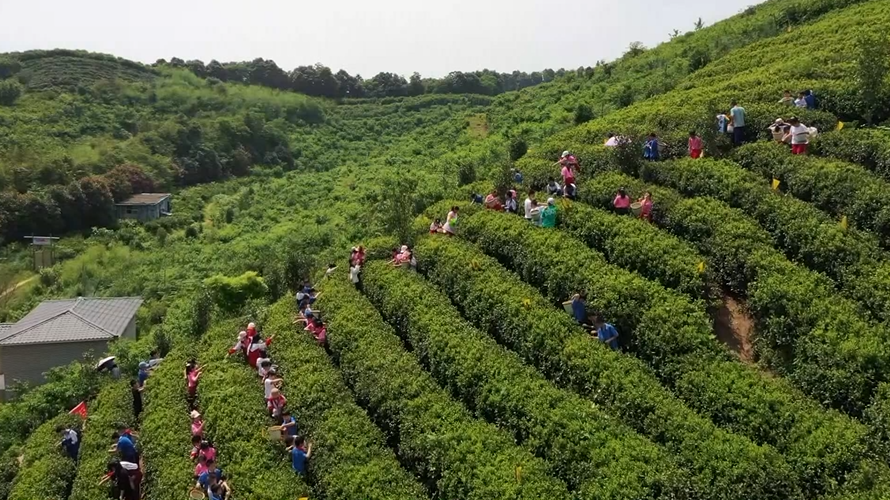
{"x":548,"y":215}
{"x":777,"y":129}
{"x":197,"y":423}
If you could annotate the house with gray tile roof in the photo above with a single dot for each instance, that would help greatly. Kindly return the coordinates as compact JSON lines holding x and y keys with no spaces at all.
{"x":57,"y":332}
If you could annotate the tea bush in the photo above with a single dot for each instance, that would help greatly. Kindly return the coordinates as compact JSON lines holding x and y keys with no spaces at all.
{"x":231,"y":401}
{"x":819,"y":338}
{"x":577,"y":439}
{"x":455,"y":455}
{"x":349,"y":454}
{"x":665,"y":330}
{"x":46,"y":471}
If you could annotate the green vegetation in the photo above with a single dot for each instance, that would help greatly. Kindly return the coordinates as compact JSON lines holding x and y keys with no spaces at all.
{"x":575,"y":438}
{"x":350,"y":458}
{"x":276,"y":174}
{"x":467,"y":458}
{"x":46,"y":471}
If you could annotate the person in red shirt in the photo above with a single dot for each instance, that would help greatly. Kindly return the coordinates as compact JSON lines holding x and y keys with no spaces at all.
{"x":695,"y":145}
{"x":276,"y":403}
{"x":257,"y":349}
{"x":567,"y":159}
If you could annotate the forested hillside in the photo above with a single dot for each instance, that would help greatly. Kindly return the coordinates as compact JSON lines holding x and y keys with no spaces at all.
{"x":750,"y":304}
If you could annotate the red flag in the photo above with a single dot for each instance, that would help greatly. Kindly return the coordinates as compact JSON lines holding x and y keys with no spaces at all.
{"x":80,"y":410}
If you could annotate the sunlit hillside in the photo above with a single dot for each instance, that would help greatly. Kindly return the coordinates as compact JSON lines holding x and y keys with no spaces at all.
{"x":752,"y":360}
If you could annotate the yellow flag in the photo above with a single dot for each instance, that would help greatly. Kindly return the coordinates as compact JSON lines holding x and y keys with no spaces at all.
{"x":304,"y":498}
{"x":518,"y":473}
{"x":700,"y":267}
{"x":775,"y":184}
{"x":844,"y":223}
{"x":527,"y":302}
{"x":840,"y":125}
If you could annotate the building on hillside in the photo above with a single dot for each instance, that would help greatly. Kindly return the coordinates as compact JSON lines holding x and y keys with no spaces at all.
{"x":57,"y":332}
{"x":144,"y":207}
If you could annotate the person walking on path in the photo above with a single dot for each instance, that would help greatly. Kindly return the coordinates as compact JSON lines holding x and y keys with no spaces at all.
{"x":737,"y":118}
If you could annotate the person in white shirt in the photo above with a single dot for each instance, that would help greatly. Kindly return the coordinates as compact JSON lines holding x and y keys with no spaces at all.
{"x":801,"y":101}
{"x":800,"y":136}
{"x":527,"y":213}
{"x":270,"y":382}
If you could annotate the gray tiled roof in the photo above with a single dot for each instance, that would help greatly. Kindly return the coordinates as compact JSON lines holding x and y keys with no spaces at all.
{"x":72,"y":320}
{"x":144,"y":199}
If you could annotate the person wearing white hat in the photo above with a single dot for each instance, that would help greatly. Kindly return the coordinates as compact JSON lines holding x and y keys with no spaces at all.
{"x":240,"y":343}
{"x":548,"y":215}
{"x":778,"y":130}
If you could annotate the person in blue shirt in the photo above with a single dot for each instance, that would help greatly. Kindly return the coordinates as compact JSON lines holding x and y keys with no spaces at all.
{"x":143,"y":373}
{"x":737,"y":117}
{"x":299,"y":453}
{"x":205,"y":479}
{"x":650,"y":151}
{"x":606,"y":333}
{"x":125,"y":448}
{"x":288,"y":424}
{"x":810,"y":99}
{"x":579,"y":307}
{"x":70,"y":441}
{"x":517,"y":175}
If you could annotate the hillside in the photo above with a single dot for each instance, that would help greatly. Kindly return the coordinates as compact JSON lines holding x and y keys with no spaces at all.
{"x":466,"y":378}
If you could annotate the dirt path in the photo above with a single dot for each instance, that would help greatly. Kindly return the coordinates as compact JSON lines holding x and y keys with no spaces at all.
{"x":735,"y":327}
{"x":17,"y":285}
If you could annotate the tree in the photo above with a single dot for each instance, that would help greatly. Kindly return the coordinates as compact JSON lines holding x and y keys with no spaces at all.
{"x":386,"y":85}
{"x":396,"y":206}
{"x":9,"y":67}
{"x":583,"y":114}
{"x":549,"y":75}
{"x":415,"y":85}
{"x":674,"y":34}
{"x":872,"y":51}
{"x":699,"y":24}
{"x":635,"y":49}
{"x":10,"y":91}
{"x":97,"y":208}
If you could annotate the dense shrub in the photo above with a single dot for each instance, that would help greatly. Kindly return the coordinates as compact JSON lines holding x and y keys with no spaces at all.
{"x":230,"y":293}
{"x":637,"y":246}
{"x":664,"y":329}
{"x":849,"y":256}
{"x":324,"y":409}
{"x":577,"y":439}
{"x":46,"y":472}
{"x":231,"y":401}
{"x":455,"y":455}
{"x":834,"y":186}
{"x":869,"y":148}
{"x":113,"y":407}
{"x":63,"y":389}
{"x":818,"y":338}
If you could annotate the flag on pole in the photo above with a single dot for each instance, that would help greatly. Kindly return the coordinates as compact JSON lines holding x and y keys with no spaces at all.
{"x":775,"y":184}
{"x":840,"y":125}
{"x":519,"y":474}
{"x":80,"y":410}
{"x":844,"y":222}
{"x":701,"y":267}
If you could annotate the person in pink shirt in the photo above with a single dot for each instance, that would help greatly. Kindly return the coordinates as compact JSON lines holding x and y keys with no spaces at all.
{"x":646,"y":208}
{"x":567,"y":159}
{"x":201,"y":466}
{"x":197,"y":423}
{"x":695,"y":145}
{"x":621,"y":202}
{"x":192,"y":375}
{"x":207,"y":451}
